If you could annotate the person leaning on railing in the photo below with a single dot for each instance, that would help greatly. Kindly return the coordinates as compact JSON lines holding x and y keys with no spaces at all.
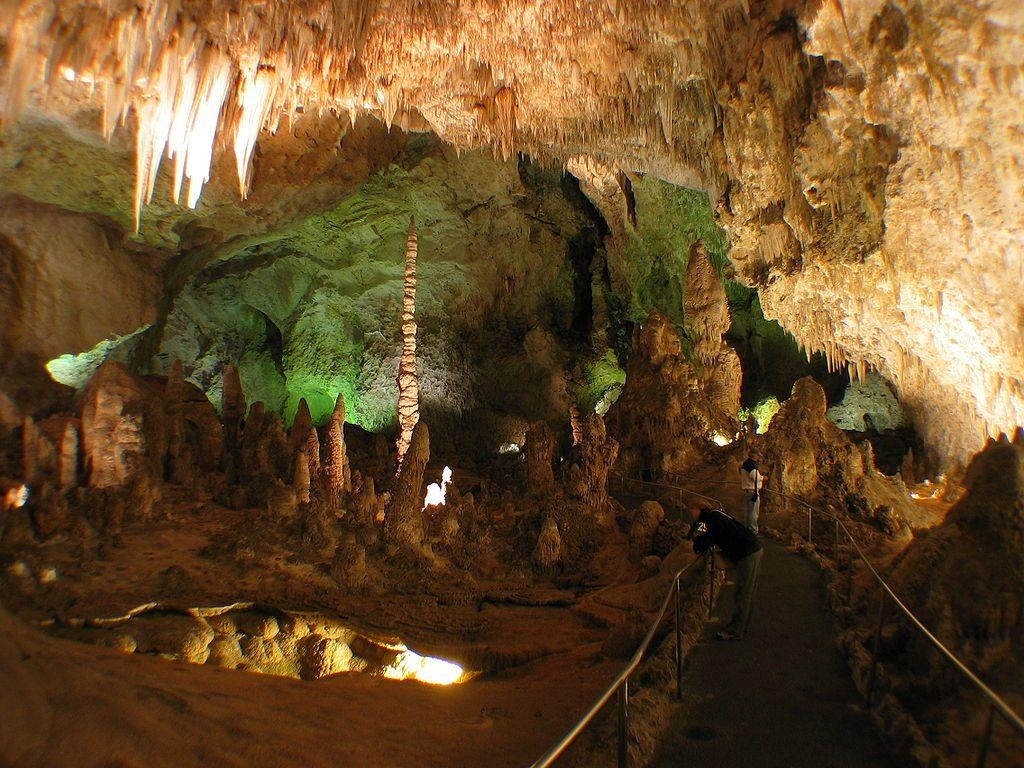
{"x":740,"y":547}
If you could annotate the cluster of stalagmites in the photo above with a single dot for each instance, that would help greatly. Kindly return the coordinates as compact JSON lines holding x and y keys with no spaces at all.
{"x":672,"y":404}
{"x":132,"y":438}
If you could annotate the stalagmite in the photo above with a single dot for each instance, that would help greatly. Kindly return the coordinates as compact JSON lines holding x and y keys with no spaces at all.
{"x":403,"y":516}
{"x":548,"y":552}
{"x":538,"y":457}
{"x":232,"y":405}
{"x":312,"y":450}
{"x":67,"y":459}
{"x":337,"y":477}
{"x":301,"y":483}
{"x":408,"y":379}
{"x":299,"y":432}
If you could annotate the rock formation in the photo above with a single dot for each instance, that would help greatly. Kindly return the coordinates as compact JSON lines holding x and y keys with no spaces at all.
{"x":855,"y":162}
{"x":807,"y":456}
{"x":642,"y":529}
{"x":589,"y":464}
{"x":298,"y":434}
{"x":963,"y":579}
{"x":538,"y":458}
{"x":548,"y":552}
{"x":196,"y":436}
{"x":666,"y":413}
{"x":124,"y":430}
{"x":336,"y":472}
{"x":408,"y":378}
{"x":403,"y":516}
{"x":301,"y":483}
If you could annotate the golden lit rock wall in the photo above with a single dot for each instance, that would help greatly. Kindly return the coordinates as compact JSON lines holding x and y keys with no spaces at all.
{"x":937,"y":305}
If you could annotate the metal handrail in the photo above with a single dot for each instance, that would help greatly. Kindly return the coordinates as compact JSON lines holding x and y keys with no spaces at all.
{"x":620,"y":684}
{"x":996,"y":702}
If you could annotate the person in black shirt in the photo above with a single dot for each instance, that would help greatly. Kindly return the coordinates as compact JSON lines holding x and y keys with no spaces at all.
{"x":740,"y":547}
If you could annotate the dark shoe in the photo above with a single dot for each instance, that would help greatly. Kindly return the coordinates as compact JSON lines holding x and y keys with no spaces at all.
{"x":726,"y":634}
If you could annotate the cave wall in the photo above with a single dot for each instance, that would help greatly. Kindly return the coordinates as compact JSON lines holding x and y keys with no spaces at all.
{"x":879,"y":221}
{"x":67,"y":281}
{"x":314,"y":309}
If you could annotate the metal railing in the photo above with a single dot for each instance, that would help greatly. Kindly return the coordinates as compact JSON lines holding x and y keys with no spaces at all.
{"x":996,"y":702}
{"x":620,"y":685}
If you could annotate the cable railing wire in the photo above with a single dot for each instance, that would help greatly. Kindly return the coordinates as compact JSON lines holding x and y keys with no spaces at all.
{"x":996,"y":702}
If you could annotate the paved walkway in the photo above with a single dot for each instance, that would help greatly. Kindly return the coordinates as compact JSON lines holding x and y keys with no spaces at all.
{"x":780,"y":698}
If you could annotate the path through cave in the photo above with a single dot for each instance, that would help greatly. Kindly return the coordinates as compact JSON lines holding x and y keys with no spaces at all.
{"x":780,"y":698}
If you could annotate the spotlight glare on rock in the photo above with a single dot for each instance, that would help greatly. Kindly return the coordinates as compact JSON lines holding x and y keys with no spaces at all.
{"x":436,"y":492}
{"x":16,"y":497}
{"x":426,"y":669}
{"x":721,"y":439}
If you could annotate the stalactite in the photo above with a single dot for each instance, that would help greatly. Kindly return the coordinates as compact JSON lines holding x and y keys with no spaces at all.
{"x":408,"y":379}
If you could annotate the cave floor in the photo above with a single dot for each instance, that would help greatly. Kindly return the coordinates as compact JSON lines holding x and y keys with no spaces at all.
{"x":69,"y":704}
{"x":537,"y":645}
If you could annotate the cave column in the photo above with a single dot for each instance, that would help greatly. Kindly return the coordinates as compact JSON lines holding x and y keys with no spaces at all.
{"x":408,"y":380}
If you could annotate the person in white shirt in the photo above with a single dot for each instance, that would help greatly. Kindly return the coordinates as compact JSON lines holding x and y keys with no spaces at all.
{"x":752,"y":484}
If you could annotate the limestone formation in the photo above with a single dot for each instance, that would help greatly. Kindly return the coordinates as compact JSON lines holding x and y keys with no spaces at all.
{"x":349,"y":564}
{"x":403,"y":516}
{"x":317,"y":526}
{"x":225,"y":651}
{"x":664,"y":417}
{"x":706,"y":305}
{"x":265,"y":454}
{"x":408,"y":377}
{"x":538,"y":458}
{"x":548,"y":552}
{"x":195,"y":434}
{"x":232,"y":405}
{"x":645,"y":524}
{"x":312,"y":447}
{"x":301,"y":482}
{"x":323,"y":656}
{"x":336,"y":472}
{"x":364,"y":502}
{"x":707,"y":319}
{"x":182,"y":637}
{"x":50,"y":451}
{"x":301,"y":424}
{"x":124,"y":431}
{"x":980,"y":542}
{"x":807,"y":456}
{"x":589,"y":465}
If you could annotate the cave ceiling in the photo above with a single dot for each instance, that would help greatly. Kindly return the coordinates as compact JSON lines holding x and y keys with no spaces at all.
{"x":865,"y":158}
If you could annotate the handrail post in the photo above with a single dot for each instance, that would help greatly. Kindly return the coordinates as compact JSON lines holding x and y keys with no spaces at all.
{"x":679,"y":647}
{"x":877,"y":645}
{"x":985,"y":742}
{"x":623,"y":723}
